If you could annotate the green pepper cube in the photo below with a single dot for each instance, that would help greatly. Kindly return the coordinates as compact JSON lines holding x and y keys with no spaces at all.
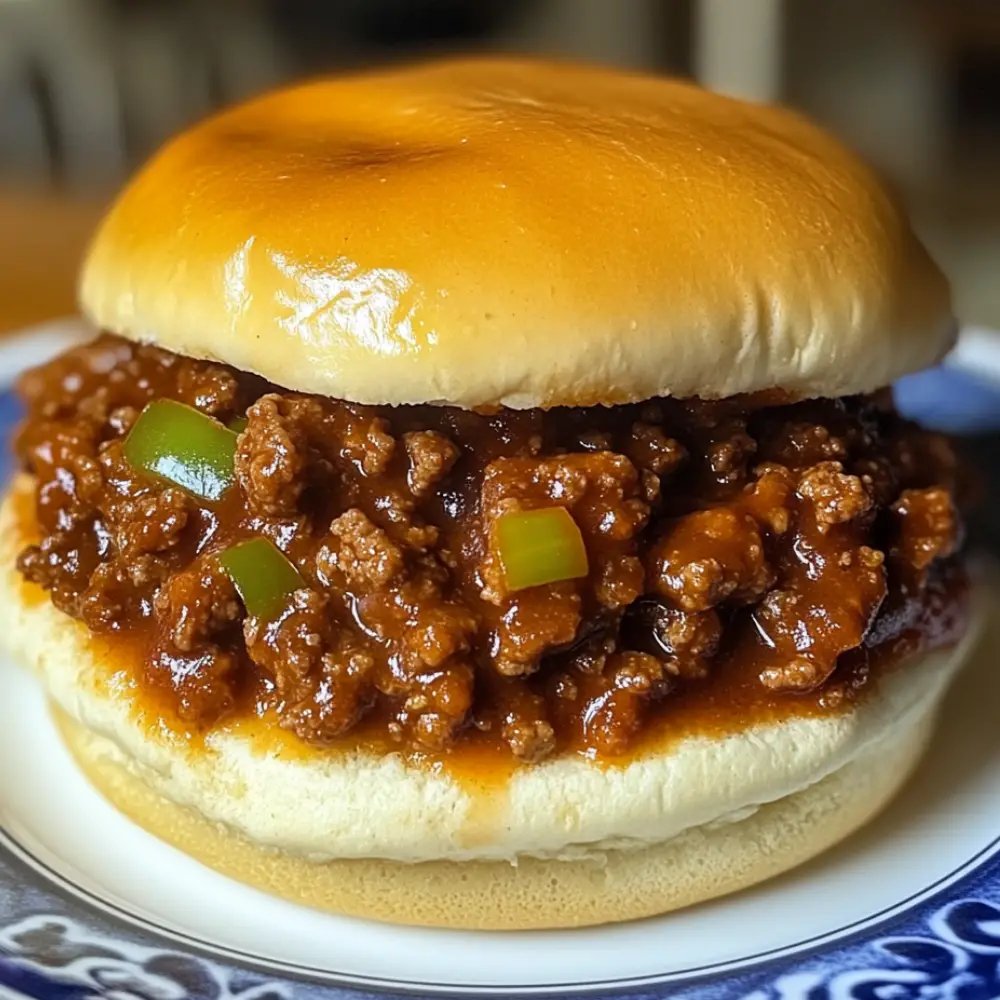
{"x":539,"y":546}
{"x":238,"y":424}
{"x":183,"y":446}
{"x":262,"y":576}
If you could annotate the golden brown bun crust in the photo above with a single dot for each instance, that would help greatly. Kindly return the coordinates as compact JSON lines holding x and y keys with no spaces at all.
{"x":522,"y":233}
{"x":479,"y":895}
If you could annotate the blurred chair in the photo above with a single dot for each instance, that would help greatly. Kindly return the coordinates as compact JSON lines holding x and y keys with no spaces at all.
{"x":58,"y":93}
{"x":89,"y":86}
{"x":24,"y":148}
{"x":178,"y":60}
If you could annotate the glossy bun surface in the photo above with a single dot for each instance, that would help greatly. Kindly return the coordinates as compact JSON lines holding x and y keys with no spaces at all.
{"x":506,"y":232}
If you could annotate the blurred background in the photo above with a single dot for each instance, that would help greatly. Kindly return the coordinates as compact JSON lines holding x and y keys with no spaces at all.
{"x":88,"y":88}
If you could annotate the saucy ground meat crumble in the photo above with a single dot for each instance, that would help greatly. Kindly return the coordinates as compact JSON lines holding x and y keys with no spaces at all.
{"x":794,"y":541}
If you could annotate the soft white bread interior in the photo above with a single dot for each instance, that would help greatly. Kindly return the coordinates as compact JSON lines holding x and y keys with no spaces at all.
{"x":497,"y":231}
{"x":604,"y":887}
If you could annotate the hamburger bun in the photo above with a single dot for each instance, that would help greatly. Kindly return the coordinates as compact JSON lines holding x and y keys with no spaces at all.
{"x":503,"y":232}
{"x":488,"y":233}
{"x":565,"y":843}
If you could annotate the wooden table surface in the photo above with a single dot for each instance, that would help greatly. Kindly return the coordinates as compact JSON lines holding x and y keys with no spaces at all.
{"x":42,"y":238}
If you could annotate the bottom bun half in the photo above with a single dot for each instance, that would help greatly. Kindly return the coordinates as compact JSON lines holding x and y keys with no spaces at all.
{"x":612,"y":886}
{"x":564,"y":843}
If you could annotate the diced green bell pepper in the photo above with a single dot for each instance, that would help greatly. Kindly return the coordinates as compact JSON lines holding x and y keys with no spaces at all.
{"x":539,"y":546}
{"x":262,"y":576}
{"x":185,"y":447}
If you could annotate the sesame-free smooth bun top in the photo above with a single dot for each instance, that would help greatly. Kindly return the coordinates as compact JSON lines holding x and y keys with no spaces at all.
{"x":483,"y":232}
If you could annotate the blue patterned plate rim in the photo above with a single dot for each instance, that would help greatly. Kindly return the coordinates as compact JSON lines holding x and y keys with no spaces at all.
{"x":800,"y":950}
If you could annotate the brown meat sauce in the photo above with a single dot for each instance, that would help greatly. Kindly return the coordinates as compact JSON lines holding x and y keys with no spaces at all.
{"x":749,"y":558}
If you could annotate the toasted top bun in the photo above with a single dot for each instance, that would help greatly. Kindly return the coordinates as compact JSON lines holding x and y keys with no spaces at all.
{"x":503,"y":232}
{"x":323,"y":805}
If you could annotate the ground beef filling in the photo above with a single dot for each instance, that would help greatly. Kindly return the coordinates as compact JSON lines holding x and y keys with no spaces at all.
{"x":790,"y":541}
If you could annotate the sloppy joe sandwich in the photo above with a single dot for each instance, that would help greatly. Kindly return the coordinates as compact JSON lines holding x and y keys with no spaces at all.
{"x":482,"y":504}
